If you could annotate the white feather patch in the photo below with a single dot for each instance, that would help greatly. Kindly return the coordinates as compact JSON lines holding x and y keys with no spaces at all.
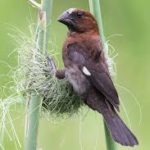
{"x":86,"y":71}
{"x":70,"y":10}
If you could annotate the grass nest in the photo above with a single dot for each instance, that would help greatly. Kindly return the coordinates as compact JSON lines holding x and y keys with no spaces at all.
{"x":35,"y":73}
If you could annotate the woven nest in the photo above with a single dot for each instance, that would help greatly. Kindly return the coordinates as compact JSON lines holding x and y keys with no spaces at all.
{"x":35,"y":73}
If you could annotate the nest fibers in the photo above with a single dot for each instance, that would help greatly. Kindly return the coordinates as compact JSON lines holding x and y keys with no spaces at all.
{"x":35,"y":73}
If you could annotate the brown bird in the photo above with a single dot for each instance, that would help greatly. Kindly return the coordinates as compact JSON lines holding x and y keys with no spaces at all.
{"x":87,"y":71}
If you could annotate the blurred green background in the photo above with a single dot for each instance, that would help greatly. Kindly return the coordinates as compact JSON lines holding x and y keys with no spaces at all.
{"x":127,"y":27}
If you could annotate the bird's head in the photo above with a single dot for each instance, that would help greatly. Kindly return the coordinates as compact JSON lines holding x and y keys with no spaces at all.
{"x":78,"y":20}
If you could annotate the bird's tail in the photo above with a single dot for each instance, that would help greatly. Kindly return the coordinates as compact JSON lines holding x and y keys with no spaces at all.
{"x":118,"y":130}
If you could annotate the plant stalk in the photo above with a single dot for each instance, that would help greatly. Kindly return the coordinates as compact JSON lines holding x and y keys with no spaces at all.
{"x":96,"y":11}
{"x":43,"y":25}
{"x":109,"y":141}
{"x":35,"y":101}
{"x":32,"y":122}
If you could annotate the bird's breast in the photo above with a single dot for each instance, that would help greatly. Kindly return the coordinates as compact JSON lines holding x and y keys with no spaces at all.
{"x":76,"y":78}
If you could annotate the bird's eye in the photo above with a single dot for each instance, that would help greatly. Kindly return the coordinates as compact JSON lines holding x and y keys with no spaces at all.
{"x":80,"y":14}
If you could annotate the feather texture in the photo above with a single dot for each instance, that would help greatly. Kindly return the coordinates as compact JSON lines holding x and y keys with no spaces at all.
{"x":87,"y":71}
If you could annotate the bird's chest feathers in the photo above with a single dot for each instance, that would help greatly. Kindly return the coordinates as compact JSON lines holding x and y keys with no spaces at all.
{"x":77,"y":80}
{"x":89,"y":48}
{"x":76,"y":53}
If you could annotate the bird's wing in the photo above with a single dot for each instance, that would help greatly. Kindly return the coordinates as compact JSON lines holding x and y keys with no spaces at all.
{"x":96,"y":73}
{"x":104,"y":84}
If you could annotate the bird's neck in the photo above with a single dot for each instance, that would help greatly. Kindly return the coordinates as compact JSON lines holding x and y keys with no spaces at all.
{"x":90,"y":33}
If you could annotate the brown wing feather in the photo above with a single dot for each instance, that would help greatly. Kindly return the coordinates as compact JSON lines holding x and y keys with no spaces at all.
{"x":104,"y":84}
{"x":99,"y":78}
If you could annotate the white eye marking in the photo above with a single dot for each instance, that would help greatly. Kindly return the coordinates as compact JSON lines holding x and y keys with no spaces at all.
{"x":70,"y":10}
{"x":86,"y":71}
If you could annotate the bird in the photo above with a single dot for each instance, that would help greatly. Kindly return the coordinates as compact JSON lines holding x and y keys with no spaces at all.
{"x":86,"y":69}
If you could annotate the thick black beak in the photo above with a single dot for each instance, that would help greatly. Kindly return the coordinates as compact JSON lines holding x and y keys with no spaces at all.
{"x":67,"y":18}
{"x":64,"y":17}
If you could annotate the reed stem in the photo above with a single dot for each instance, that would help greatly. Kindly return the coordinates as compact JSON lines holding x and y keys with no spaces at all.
{"x":32,"y":122}
{"x":96,"y":10}
{"x":35,"y":101}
